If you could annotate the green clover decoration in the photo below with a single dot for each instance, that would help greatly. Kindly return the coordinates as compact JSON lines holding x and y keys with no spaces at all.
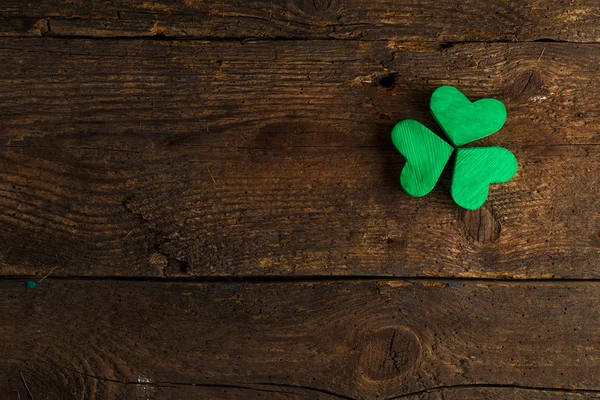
{"x":463,"y":122}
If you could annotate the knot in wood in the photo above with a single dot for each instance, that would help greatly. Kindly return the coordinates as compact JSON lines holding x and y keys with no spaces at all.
{"x":321,"y":5}
{"x":389,"y":353}
{"x":323,"y":10}
{"x":526,"y":84}
{"x":481,"y":225}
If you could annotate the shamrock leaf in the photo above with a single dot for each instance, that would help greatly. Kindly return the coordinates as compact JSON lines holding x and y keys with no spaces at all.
{"x":463,"y":122}
{"x":426,"y":156}
{"x":475,"y":168}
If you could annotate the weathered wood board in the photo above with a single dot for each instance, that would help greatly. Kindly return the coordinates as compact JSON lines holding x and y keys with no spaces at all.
{"x":109,"y":339}
{"x":220,"y":216}
{"x":189,"y":158}
{"x":443,"y":20}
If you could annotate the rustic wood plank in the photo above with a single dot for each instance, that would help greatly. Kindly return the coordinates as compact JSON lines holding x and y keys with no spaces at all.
{"x":149,"y":392}
{"x":110,"y":339}
{"x":444,"y":20}
{"x":153,"y":158}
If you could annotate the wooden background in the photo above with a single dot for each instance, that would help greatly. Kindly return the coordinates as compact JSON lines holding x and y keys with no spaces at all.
{"x":207,"y":195}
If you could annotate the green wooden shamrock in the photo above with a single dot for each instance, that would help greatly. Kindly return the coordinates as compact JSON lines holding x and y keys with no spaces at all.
{"x":463,"y":122}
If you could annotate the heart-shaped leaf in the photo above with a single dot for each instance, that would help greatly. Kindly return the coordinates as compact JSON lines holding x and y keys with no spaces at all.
{"x":426,"y":156}
{"x":463,"y":121}
{"x":475,"y":169}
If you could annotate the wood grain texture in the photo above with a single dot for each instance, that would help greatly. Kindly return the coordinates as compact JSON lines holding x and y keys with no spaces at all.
{"x":107,"y":339}
{"x":446,"y":21}
{"x":186,"y":158}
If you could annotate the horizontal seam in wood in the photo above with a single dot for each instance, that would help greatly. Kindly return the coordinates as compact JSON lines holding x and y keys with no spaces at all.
{"x":246,"y":386}
{"x":243,"y":385}
{"x":494,"y":386}
{"x":245,"y":39}
{"x":304,"y":279}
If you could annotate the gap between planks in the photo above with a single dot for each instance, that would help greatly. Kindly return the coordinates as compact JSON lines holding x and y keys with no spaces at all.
{"x":254,"y":39}
{"x":303,"y":279}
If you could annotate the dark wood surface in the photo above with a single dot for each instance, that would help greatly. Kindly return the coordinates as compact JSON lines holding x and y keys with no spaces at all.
{"x":185,"y":158}
{"x":208,"y":198}
{"x":329,"y":340}
{"x":405,"y":20}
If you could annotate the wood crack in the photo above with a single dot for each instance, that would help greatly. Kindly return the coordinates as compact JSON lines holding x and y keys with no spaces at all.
{"x":494,"y":386}
{"x":249,"y":386}
{"x":243,"y":385}
{"x":393,"y":353}
{"x":160,"y":239}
